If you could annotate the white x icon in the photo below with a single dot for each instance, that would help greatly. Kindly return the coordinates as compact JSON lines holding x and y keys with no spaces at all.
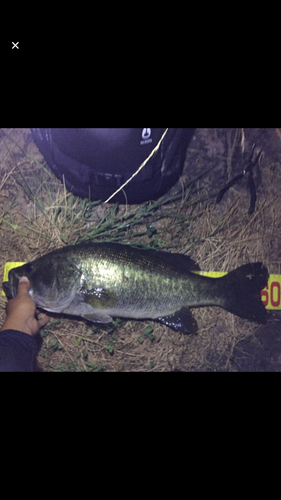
{"x":15,"y":45}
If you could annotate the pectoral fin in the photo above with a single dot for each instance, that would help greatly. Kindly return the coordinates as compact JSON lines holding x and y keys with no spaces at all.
{"x":98,"y":318}
{"x":181,"y":321}
{"x":99,"y":298}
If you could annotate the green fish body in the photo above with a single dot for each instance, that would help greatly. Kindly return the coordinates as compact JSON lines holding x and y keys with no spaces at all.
{"x":100,"y":281}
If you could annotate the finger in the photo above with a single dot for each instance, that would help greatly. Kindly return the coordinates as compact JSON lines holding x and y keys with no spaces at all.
{"x":24,"y":279}
{"x":43,"y":321}
{"x":23,"y":286}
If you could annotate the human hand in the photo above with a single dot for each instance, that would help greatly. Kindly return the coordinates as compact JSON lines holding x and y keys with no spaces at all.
{"x":21,"y":311}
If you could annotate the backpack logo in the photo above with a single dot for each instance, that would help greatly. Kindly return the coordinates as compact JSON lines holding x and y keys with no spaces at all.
{"x":146,"y":139}
{"x":146,"y":133}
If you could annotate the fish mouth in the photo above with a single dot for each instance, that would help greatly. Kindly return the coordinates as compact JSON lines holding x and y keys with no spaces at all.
{"x":7,"y":290}
{"x":10,"y":287}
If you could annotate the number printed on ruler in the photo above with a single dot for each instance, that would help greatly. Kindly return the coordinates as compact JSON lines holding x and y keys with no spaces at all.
{"x":270,"y":295}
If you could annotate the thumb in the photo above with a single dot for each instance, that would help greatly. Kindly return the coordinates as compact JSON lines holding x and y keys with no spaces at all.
{"x":23,"y":285}
{"x":24,"y":279}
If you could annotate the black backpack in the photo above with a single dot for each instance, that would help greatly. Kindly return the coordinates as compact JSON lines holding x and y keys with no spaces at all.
{"x":95,"y":162}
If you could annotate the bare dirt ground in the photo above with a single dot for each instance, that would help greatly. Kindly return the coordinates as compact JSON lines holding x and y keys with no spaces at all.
{"x":37,"y":215}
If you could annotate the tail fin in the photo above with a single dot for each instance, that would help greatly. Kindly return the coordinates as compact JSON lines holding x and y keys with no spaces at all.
{"x":243,"y":286}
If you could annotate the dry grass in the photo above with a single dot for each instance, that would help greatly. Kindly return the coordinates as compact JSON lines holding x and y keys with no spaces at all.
{"x":37,"y":214}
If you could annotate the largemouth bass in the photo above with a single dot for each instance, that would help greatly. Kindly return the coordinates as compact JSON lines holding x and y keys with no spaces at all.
{"x":100,"y":281}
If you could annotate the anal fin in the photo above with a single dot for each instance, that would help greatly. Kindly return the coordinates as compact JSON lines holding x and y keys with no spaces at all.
{"x":181,"y":321}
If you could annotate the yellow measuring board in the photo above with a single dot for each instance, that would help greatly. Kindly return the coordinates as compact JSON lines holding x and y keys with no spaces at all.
{"x":7,"y":268}
{"x":270,"y":295}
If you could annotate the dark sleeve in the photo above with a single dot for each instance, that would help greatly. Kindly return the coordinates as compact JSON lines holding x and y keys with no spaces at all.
{"x":17,"y":351}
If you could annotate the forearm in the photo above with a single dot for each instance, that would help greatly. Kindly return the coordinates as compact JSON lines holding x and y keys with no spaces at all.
{"x":17,"y":351}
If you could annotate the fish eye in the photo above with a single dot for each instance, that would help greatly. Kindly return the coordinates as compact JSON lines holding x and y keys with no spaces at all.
{"x":28,"y":267}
